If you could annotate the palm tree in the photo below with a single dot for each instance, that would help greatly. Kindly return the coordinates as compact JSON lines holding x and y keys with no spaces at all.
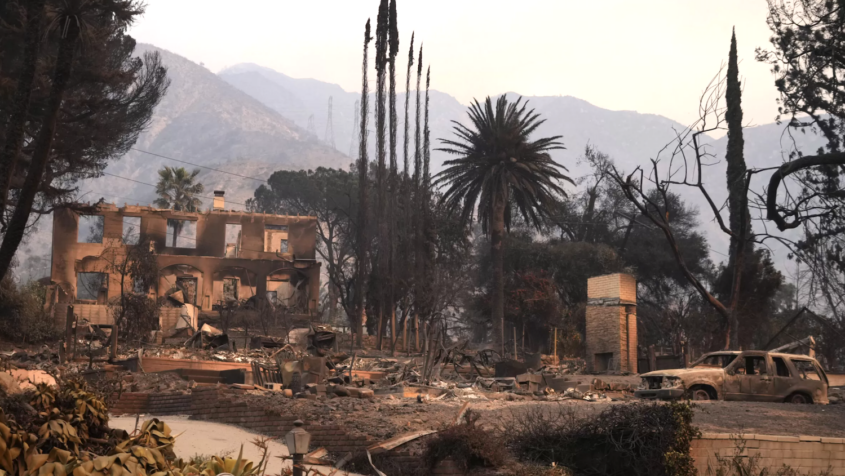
{"x":501,"y":169}
{"x":176,"y":189}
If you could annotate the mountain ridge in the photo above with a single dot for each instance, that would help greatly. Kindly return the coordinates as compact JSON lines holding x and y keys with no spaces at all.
{"x":252,"y":120}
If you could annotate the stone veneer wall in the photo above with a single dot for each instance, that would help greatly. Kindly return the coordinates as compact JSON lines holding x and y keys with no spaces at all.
{"x":612,"y":321}
{"x":807,"y":454}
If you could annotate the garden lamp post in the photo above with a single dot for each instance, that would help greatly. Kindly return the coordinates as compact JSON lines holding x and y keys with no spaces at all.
{"x":298,"y":441}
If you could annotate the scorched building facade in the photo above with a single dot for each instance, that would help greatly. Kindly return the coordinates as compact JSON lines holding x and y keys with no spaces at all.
{"x":205,"y":259}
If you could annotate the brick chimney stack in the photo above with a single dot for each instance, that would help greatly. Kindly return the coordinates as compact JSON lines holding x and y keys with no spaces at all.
{"x":611,"y":338}
{"x":219,"y":201}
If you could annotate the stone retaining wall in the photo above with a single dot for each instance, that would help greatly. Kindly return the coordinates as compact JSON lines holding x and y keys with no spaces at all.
{"x":807,"y":454}
{"x":219,"y":404}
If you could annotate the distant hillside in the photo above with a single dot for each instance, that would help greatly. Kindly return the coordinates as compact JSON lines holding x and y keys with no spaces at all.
{"x":625,"y":135}
{"x":252,"y":120}
{"x":206,"y":121}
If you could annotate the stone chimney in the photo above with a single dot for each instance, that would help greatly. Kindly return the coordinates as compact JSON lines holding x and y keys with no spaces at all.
{"x":611,"y":338}
{"x":219,"y":201}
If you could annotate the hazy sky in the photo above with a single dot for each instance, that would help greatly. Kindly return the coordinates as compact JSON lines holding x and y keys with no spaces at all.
{"x":650,"y":56}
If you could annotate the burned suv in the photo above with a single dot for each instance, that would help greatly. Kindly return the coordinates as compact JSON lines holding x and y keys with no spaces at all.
{"x":756,"y":376}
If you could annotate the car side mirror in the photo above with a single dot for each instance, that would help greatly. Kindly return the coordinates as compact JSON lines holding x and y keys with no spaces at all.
{"x":731,"y":372}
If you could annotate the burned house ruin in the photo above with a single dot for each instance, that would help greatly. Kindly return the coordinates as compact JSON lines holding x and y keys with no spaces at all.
{"x":611,"y":337}
{"x":205,"y":260}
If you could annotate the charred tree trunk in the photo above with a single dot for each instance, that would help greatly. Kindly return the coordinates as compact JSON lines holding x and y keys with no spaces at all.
{"x":393,"y":50}
{"x":43,"y":146}
{"x":380,"y":269}
{"x":429,"y":233}
{"x":418,"y":194}
{"x":362,"y":248}
{"x":497,"y":234}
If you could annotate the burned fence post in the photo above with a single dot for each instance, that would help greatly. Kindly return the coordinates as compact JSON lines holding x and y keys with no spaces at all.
{"x":114,"y":342}
{"x":652,"y":359}
{"x":69,"y":333}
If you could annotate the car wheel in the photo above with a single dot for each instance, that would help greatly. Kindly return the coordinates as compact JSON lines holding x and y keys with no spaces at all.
{"x":700,"y":394}
{"x":798,"y":398}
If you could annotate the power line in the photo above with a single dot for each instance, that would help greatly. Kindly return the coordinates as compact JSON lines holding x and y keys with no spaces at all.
{"x":198,"y":165}
{"x":151,"y":185}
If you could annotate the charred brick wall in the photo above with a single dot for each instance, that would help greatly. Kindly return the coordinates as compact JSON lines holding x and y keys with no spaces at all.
{"x":208,"y":261}
{"x":611,"y":334}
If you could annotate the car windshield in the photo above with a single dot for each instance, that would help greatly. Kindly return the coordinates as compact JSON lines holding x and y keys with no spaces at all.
{"x":716,"y":361}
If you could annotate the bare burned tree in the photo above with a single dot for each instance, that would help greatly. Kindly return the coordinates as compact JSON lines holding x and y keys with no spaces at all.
{"x":806,"y":193}
{"x":679,"y":164}
{"x":808,"y":37}
{"x":380,"y":268}
{"x":393,"y":179}
{"x":363,"y":186}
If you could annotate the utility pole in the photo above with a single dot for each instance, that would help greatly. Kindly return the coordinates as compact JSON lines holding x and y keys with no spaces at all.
{"x":311,"y":128}
{"x":353,"y":143}
{"x":328,"y":137}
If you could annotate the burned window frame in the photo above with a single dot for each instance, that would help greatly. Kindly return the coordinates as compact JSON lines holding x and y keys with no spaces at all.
{"x":125,"y":234}
{"x":238,"y":239}
{"x":104,"y":280}
{"x":272,"y":233}
{"x":83,"y":223}
{"x":172,"y":240}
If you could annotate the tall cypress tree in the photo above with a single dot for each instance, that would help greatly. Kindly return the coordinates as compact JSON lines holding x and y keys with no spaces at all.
{"x":393,"y":50}
{"x":362,"y":248}
{"x":740,"y":227}
{"x":428,"y":231}
{"x":418,"y":225}
{"x":408,"y":103}
{"x":380,"y":269}
{"x":405,"y":200}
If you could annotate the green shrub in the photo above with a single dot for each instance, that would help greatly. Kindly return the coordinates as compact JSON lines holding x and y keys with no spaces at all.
{"x":23,"y":319}
{"x":637,"y":439}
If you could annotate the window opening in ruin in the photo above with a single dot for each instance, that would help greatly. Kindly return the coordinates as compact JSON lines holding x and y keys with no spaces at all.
{"x":806,"y":370}
{"x":91,"y":229}
{"x":188,"y":286}
{"x":230,"y":289}
{"x":276,"y":238}
{"x":603,"y":361}
{"x":131,"y":230}
{"x":138,"y":287}
{"x":92,"y":286}
{"x":181,"y":233}
{"x":754,"y":365}
{"x":233,"y":240}
{"x":780,"y":367}
{"x":282,"y":289}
